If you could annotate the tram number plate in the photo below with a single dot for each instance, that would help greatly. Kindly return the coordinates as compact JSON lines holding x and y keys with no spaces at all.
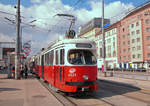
{"x":85,"y":89}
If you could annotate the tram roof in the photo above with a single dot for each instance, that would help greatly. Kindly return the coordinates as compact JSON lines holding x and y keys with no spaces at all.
{"x":68,"y":41}
{"x":72,"y":41}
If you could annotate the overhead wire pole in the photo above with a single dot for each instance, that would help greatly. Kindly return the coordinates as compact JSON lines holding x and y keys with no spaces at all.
{"x":17,"y":50}
{"x":103,"y":38}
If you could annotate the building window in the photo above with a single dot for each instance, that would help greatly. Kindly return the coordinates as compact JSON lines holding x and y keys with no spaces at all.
{"x":123,"y":36}
{"x":139,"y":56}
{"x":129,"y":57}
{"x":132,"y":25}
{"x":123,"y":29}
{"x":147,"y":21}
{"x":114,"y":45}
{"x":138,"y":39}
{"x":137,"y":24}
{"x":114,"y":53}
{"x":114,"y":38}
{"x":148,"y":29}
{"x":108,"y":40}
{"x":124,"y":50}
{"x":148,"y":37}
{"x":128,"y":35}
{"x":124,"y":43}
{"x":137,"y":31}
{"x":100,"y":52}
{"x":133,"y":56}
{"x":132,"y":32}
{"x":133,"y":48}
{"x":128,"y":49}
{"x":133,"y":40}
{"x":128,"y":42}
{"x":148,"y":55}
{"x":138,"y":47}
{"x":124,"y":57}
{"x":148,"y":46}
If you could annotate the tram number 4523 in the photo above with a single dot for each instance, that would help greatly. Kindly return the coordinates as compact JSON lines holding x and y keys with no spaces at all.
{"x":72,"y":74}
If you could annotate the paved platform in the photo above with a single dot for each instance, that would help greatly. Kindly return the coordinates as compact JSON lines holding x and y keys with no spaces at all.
{"x":25,"y":92}
{"x":143,"y":84}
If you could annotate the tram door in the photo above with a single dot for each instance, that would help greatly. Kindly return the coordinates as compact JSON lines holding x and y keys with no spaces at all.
{"x":56,"y":68}
{"x":42,"y":63}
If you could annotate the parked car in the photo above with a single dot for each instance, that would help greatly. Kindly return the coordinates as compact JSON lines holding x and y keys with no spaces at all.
{"x":142,"y":69}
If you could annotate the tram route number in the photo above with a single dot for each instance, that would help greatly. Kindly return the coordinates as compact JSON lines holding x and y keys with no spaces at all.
{"x":72,"y":74}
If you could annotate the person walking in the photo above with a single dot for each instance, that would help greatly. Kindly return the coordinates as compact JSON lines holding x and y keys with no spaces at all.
{"x":21,"y":71}
{"x":26,"y":71}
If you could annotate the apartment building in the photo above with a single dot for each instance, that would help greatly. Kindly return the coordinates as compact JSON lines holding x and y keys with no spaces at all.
{"x":111,"y":46}
{"x":127,"y":42}
{"x":134,"y":38}
{"x":5,"y":49}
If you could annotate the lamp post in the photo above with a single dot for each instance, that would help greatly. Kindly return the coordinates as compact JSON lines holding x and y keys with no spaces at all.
{"x":103,"y":38}
{"x":17,"y":50}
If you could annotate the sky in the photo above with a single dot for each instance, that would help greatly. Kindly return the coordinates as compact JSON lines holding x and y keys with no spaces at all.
{"x":48,"y":26}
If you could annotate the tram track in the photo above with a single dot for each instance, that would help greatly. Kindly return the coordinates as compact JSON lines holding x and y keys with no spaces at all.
{"x":62,"y":99}
{"x":101,"y":97}
{"x":127,"y":91}
{"x":76,"y":101}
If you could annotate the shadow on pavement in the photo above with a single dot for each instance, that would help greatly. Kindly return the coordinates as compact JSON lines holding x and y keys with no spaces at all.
{"x":109,"y":89}
{"x":9,"y":89}
{"x":112,"y":88}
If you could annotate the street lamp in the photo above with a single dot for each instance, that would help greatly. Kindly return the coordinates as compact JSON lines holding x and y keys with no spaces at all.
{"x":103,"y":38}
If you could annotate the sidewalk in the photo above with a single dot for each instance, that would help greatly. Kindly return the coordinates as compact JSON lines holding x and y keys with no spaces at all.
{"x":25,"y":92}
{"x":138,"y":83}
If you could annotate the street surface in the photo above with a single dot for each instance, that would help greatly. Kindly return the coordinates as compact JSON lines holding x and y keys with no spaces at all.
{"x":30,"y":92}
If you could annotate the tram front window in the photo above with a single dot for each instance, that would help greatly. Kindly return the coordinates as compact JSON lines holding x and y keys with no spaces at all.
{"x":80,"y":57}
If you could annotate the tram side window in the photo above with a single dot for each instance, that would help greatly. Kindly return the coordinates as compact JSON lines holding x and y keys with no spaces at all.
{"x":46,"y":59}
{"x":62,"y":56}
{"x":56,"y":57}
{"x":51,"y":55}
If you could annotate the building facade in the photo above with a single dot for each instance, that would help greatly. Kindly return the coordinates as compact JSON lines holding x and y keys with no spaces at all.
{"x":134,"y":38}
{"x":127,"y":42}
{"x":111,"y":46}
{"x":5,"y":49}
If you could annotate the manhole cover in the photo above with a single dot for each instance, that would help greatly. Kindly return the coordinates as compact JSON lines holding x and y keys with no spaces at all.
{"x":39,"y":96}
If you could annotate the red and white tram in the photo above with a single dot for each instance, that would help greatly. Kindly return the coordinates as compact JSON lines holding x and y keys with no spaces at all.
{"x":69,"y":65}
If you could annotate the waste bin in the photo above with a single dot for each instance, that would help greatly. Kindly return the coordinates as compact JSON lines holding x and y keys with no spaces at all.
{"x":111,"y":74}
{"x":105,"y":74}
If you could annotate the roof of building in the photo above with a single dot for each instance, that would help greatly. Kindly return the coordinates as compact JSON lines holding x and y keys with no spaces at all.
{"x":114,"y":25}
{"x":137,"y":9}
{"x":7,"y":42}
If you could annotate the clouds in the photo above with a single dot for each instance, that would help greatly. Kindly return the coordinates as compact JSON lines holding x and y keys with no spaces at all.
{"x":6,"y":38}
{"x":36,"y":1}
{"x":48,"y":26}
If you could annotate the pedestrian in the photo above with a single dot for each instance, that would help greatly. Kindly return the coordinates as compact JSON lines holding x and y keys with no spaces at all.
{"x":21,"y":71}
{"x":26,"y":71}
{"x":13,"y":71}
{"x":102,"y":68}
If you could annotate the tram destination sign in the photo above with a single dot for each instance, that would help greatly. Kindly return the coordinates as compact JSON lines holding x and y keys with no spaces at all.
{"x":83,"y":45}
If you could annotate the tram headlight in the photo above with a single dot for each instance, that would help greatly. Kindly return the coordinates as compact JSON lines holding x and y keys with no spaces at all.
{"x":85,"y":77}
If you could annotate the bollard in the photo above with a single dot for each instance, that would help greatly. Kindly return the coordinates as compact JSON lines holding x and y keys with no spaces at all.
{"x":105,"y":74}
{"x":111,"y":74}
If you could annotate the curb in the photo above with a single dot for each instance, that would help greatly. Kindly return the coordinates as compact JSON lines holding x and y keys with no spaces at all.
{"x":120,"y":84}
